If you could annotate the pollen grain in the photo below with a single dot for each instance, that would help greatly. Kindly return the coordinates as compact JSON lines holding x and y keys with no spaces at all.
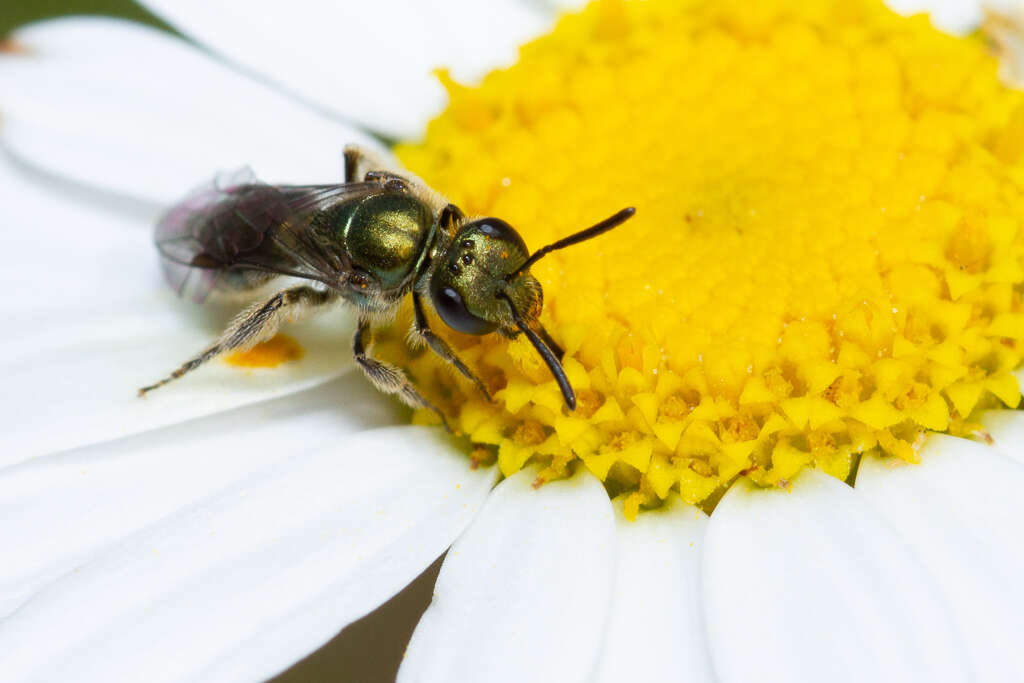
{"x":268,"y":354}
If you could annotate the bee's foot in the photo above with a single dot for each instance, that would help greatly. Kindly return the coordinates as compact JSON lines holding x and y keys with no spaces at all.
{"x":145,"y":390}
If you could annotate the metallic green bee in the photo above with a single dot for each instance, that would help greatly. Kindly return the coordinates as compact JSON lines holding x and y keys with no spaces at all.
{"x":371,"y":243}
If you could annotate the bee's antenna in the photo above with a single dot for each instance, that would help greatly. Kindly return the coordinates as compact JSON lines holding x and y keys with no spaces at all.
{"x":581,"y":236}
{"x":545,"y":353}
{"x":551,"y":343}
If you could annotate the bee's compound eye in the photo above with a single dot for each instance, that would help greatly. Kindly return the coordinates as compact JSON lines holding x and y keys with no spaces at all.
{"x":452,"y":308}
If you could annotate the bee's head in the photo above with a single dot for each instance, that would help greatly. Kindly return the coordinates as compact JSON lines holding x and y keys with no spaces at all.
{"x":482,"y":284}
{"x":474,"y":273}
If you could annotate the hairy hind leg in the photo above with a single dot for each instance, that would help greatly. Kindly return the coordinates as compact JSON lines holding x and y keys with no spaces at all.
{"x":388,"y":378}
{"x":253,"y":325}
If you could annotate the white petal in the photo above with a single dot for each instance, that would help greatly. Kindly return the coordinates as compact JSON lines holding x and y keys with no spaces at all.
{"x":564,"y":5}
{"x":70,"y":247}
{"x":1007,"y":430}
{"x":93,"y":322}
{"x":960,"y":510}
{"x":58,"y":512}
{"x":655,"y":627}
{"x":134,"y":110}
{"x":523,"y":594}
{"x":370,"y":62}
{"x":814,"y":586}
{"x":248,"y":581}
{"x":71,"y":376}
{"x":954,"y":16}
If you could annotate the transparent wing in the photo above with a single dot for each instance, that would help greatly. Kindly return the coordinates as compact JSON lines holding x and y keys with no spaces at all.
{"x":236,"y":223}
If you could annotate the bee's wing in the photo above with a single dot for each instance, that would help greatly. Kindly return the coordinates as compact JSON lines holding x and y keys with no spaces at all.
{"x":238,"y":223}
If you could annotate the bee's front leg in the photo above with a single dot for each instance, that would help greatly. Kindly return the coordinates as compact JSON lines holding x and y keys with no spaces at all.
{"x":388,"y":378}
{"x":441,"y":348}
{"x":450,"y":215}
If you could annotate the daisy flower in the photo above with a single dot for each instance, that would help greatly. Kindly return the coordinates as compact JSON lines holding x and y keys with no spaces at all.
{"x":794,"y":455}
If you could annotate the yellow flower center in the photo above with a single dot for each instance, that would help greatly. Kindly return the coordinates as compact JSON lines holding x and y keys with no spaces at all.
{"x":825,"y":257}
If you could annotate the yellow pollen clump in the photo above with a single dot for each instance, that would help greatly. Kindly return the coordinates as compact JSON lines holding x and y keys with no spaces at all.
{"x":269,"y":354}
{"x":826,"y":257}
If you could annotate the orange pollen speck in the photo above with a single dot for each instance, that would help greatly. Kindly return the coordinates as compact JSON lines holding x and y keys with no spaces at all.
{"x":269,"y":354}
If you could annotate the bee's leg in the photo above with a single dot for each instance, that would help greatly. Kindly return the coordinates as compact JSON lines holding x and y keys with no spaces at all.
{"x":450,"y":214}
{"x":352,"y":156}
{"x":390,"y":181}
{"x":359,"y":161}
{"x":388,"y":378}
{"x":441,"y":348}
{"x":253,"y":325}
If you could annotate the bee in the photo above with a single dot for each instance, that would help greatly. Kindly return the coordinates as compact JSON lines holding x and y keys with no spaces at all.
{"x":370,"y":241}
